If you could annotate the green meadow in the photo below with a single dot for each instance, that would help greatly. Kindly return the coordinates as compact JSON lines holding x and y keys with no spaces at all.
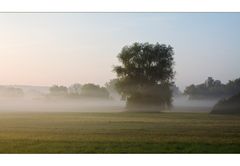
{"x":75,"y":132}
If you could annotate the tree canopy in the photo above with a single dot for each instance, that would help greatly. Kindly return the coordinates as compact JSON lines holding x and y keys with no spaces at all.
{"x":145,"y":74}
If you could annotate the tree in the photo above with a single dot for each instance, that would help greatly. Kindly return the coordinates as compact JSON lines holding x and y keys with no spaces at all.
{"x":75,"y":89}
{"x":213,"y":89}
{"x":175,"y":91}
{"x":146,"y":74}
{"x":92,"y":90}
{"x":56,"y":90}
{"x":111,"y":87}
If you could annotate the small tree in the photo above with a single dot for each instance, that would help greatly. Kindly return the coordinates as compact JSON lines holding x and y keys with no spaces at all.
{"x":146,"y":74}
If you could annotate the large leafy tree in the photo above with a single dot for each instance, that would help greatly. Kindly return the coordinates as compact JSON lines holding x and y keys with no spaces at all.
{"x":145,"y":74}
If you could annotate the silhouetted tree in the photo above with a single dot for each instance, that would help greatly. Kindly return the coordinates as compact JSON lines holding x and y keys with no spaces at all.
{"x":146,"y":74}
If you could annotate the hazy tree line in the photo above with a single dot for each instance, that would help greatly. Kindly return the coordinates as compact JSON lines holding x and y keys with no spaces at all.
{"x":9,"y":92}
{"x":79,"y":91}
{"x":213,"y":89}
{"x":74,"y":91}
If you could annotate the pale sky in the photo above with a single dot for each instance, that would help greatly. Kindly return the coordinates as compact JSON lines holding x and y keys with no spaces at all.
{"x":65,"y":48}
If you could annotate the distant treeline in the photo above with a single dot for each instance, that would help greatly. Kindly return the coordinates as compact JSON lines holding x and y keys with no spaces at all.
{"x":74,"y":91}
{"x":8,"y":91}
{"x":79,"y":91}
{"x":213,"y":89}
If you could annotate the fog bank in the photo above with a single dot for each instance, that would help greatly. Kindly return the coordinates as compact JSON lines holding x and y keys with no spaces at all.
{"x":26,"y":105}
{"x":32,"y":98}
{"x":183,"y":104}
{"x":180,"y":104}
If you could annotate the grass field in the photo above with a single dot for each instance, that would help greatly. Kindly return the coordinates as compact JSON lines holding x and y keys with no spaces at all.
{"x":119,"y":133}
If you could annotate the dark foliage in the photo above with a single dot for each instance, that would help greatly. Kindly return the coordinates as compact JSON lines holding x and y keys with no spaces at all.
{"x":228,"y":106}
{"x":213,"y":89}
{"x":146,"y":74}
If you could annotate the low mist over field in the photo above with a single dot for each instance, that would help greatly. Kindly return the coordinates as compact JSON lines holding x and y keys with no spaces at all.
{"x":86,"y":105}
{"x":37,"y":99}
{"x":183,"y":104}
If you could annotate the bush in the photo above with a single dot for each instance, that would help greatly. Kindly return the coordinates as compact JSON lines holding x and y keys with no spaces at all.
{"x":228,"y":106}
